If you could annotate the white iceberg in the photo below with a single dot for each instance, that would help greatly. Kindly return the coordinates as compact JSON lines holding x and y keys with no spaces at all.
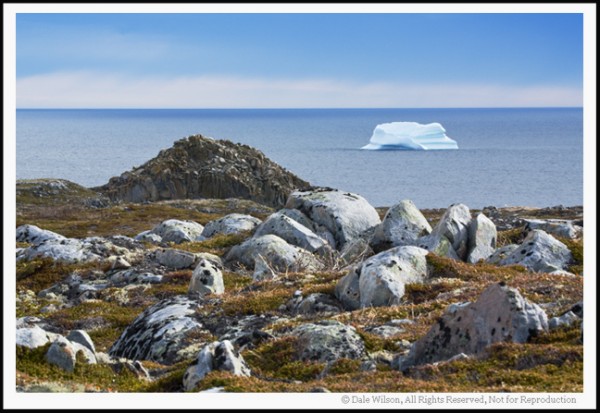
{"x":410,"y":136}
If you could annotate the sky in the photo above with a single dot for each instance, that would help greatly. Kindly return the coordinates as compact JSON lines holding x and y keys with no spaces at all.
{"x":298,"y":60}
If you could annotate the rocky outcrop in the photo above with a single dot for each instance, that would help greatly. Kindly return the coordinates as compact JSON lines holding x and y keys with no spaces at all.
{"x":499,"y":314}
{"x":328,"y":341}
{"x":540,"y":252}
{"x":403,"y":224}
{"x":337,"y":216}
{"x":482,"y":239}
{"x":219,"y":355}
{"x":454,"y":226}
{"x":165,"y":332}
{"x":201,"y":167}
{"x":230,"y":224}
{"x":558,"y":227}
{"x":174,"y":230}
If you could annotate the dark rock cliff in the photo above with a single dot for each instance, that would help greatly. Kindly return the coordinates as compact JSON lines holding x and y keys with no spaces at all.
{"x":200,"y":167}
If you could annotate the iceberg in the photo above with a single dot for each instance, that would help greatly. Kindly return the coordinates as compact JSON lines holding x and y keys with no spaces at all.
{"x":410,"y":136}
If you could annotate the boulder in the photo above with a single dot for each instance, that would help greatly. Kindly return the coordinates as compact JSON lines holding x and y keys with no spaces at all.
{"x":134,"y":276}
{"x":565,"y":320}
{"x":35,"y":235}
{"x":403,"y":224}
{"x":328,"y":341}
{"x":219,"y":355}
{"x":293,"y":232}
{"x":174,"y":230}
{"x":32,"y":337}
{"x":174,"y":258}
{"x":482,"y":239}
{"x":299,"y":217}
{"x":276,"y":253}
{"x":206,"y":279}
{"x":148,"y":236}
{"x":499,"y":314}
{"x":540,"y":252}
{"x":83,"y":338}
{"x":63,"y":353}
{"x":454,"y":226}
{"x":439,"y":245}
{"x":383,"y":276}
{"x":501,"y":253}
{"x":230,"y":224}
{"x":66,"y":250}
{"x":199,"y":167}
{"x":317,"y":303}
{"x":347,"y":289}
{"x":343,"y":214}
{"x":165,"y":332}
{"x":558,"y":227}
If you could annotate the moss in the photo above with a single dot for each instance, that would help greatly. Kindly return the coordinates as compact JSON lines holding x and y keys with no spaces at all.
{"x":344,"y":366}
{"x":217,"y":244}
{"x":33,"y":363}
{"x":576,"y":248}
{"x":267,"y":297}
{"x":511,"y":236}
{"x":374,"y":342}
{"x":419,"y":293}
{"x":42,"y":273}
{"x":171,"y":380}
{"x":235,"y":282}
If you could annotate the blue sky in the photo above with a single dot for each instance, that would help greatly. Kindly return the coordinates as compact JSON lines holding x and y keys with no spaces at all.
{"x":299,"y":60}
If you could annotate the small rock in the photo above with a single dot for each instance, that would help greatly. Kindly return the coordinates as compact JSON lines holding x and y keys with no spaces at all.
{"x":566,"y":320}
{"x":83,"y":338}
{"x":230,"y":224}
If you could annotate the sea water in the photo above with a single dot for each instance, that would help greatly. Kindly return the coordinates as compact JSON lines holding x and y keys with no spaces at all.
{"x":507,"y":157}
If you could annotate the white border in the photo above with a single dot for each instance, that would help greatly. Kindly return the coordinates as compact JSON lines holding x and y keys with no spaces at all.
{"x":266,"y":401}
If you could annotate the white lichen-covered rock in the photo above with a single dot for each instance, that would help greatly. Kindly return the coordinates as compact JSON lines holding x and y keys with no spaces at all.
{"x":219,"y":355}
{"x":161,"y":333}
{"x":35,"y":235}
{"x":565,"y":320}
{"x":32,"y":337}
{"x":439,"y":245}
{"x":207,"y":278}
{"x":230,"y":224}
{"x":403,"y":224}
{"x":454,"y":226}
{"x":499,"y":314}
{"x":299,"y":217}
{"x":317,"y":303}
{"x":540,"y":252}
{"x":174,"y":258}
{"x":63,"y":353}
{"x":501,"y":253}
{"x":383,"y":276}
{"x":558,"y":227}
{"x":276,"y":253}
{"x":134,"y":276}
{"x":482,"y":239}
{"x":83,"y":338}
{"x":347,"y":289}
{"x":293,"y":232}
{"x":174,"y":230}
{"x":328,"y":341}
{"x":148,"y":236}
{"x":343,"y":214}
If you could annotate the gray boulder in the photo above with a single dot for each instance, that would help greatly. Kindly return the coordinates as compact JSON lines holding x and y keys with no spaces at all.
{"x":298,"y":216}
{"x":403,"y":224}
{"x":32,"y":337}
{"x":66,"y":250}
{"x":35,"y":235}
{"x":207,"y":278}
{"x":317,"y":303}
{"x":499,"y":314}
{"x":347,"y":290}
{"x":439,"y":245}
{"x":328,"y":341}
{"x":565,"y":320}
{"x":167,"y":332}
{"x":174,"y":230}
{"x":148,"y":236}
{"x":343,"y":214}
{"x":174,"y":258}
{"x":230,"y":224}
{"x":134,"y":276}
{"x":293,"y":232}
{"x":540,"y":252}
{"x":482,"y":239}
{"x":83,"y":338}
{"x":383,"y":276}
{"x":501,"y":253}
{"x":63,"y":353}
{"x":276,"y":253}
{"x":558,"y":227}
{"x":454,"y":225}
{"x":219,"y":355}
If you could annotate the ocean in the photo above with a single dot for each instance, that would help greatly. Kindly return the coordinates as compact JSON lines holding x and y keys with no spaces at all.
{"x":506,"y":157}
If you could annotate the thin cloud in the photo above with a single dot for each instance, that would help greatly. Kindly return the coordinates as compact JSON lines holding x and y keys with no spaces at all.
{"x":100,"y":90}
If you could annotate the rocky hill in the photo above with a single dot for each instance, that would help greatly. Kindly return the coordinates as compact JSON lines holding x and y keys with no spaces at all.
{"x":200,"y":167}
